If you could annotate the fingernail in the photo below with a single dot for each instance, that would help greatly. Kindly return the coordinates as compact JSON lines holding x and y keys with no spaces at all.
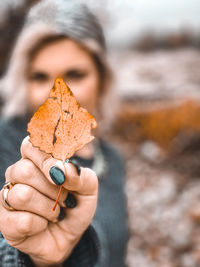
{"x":61,"y":215}
{"x":70,"y":201}
{"x":75,"y":163}
{"x":57,"y":175}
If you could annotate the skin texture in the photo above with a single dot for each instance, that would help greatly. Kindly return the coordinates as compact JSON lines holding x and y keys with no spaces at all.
{"x":33,"y":228}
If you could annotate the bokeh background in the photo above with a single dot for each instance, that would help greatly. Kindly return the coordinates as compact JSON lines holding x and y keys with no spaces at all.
{"x":154,"y":50}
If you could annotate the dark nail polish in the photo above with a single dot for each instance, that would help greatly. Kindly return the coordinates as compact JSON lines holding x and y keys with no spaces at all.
{"x":75,"y":163}
{"x":57,"y":175}
{"x":61,"y":215}
{"x":70,"y":201}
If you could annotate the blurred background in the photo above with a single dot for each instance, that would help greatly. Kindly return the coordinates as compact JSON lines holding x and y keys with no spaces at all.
{"x":154,"y":50}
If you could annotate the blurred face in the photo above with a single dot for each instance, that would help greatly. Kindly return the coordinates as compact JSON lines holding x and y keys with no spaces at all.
{"x":67,"y":59}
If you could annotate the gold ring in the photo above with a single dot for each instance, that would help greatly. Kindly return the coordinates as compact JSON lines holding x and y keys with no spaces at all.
{"x":6,"y":189}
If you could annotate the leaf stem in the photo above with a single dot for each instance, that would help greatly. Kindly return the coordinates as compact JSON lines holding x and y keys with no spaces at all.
{"x":59,"y":193}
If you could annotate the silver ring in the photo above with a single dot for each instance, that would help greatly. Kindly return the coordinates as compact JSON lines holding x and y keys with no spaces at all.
{"x":6,"y":188}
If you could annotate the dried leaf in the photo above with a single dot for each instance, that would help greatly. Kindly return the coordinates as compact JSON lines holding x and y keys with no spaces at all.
{"x":60,"y":126}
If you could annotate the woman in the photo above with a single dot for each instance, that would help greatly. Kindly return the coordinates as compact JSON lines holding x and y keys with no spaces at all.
{"x":59,"y":38}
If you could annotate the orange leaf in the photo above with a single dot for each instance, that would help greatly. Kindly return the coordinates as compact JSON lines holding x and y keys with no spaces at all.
{"x":60,"y":126}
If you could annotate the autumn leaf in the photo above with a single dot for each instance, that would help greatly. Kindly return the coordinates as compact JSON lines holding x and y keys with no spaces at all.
{"x":60,"y":126}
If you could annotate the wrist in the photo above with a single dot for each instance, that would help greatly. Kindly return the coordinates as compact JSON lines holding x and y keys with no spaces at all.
{"x":38,"y":263}
{"x":53,"y":261}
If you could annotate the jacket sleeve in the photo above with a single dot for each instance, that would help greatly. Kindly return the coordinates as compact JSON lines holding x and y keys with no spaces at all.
{"x":85,"y":254}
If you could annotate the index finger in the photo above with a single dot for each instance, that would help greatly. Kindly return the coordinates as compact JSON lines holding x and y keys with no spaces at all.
{"x":65,"y":173}
{"x":41,"y":159}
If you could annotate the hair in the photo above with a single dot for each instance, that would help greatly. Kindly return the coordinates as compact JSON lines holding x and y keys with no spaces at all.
{"x":47,"y":21}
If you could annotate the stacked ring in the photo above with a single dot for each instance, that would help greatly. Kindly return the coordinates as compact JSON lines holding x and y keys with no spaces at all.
{"x":6,"y":188}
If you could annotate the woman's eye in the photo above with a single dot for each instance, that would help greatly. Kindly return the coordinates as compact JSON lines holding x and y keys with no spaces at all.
{"x":38,"y":76}
{"x":75,"y":75}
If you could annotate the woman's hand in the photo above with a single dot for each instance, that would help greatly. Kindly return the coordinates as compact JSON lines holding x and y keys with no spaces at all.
{"x":33,"y":227}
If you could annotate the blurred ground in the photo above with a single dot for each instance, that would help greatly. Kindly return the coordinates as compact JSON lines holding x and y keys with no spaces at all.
{"x":158,"y":131}
{"x":157,"y":74}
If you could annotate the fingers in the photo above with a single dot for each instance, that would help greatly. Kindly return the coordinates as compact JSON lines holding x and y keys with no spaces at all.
{"x":17,"y":225}
{"x":25,"y":172}
{"x":25,"y":198}
{"x":85,"y":184}
{"x":59,"y":173}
